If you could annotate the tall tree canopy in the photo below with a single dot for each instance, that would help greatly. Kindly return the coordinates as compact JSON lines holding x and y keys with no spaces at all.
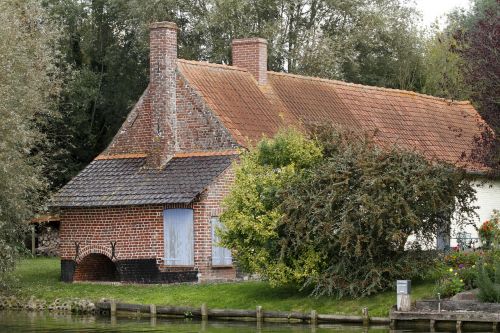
{"x":463,"y":62}
{"x":28,"y":84}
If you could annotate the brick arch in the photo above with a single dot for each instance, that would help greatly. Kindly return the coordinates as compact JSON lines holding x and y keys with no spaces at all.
{"x":96,"y":267}
{"x":95,"y":249}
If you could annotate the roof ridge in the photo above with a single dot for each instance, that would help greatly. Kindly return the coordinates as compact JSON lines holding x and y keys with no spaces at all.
{"x":207,"y":153}
{"x":339,"y":82}
{"x":210,"y":64}
{"x":120,"y":156}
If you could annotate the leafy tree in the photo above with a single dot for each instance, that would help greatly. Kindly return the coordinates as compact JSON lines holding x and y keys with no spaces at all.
{"x":29,"y":83}
{"x":443,"y":67}
{"x":341,"y":225}
{"x":463,"y":63}
{"x":252,"y":215}
{"x":363,"y":41}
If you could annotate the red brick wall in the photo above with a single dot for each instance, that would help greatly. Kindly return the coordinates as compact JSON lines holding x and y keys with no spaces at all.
{"x":134,"y":135}
{"x":170,"y":117}
{"x":138,"y":231}
{"x":198,"y":129}
{"x":251,"y":54}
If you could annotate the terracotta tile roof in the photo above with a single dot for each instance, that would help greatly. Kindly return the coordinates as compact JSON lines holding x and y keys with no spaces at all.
{"x":438,"y":128}
{"x":125,"y":181}
{"x":235,"y":97}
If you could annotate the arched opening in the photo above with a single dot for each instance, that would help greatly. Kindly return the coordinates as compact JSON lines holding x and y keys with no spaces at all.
{"x":96,"y":267}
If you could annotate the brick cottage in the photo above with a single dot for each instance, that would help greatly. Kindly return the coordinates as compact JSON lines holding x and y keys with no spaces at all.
{"x":145,"y":209}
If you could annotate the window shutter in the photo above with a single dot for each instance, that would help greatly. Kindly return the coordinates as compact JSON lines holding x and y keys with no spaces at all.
{"x":221,"y":256}
{"x":178,"y":236}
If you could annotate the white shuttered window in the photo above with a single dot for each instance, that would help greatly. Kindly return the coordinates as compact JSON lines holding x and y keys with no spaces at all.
{"x":221,"y":256}
{"x":178,"y":236}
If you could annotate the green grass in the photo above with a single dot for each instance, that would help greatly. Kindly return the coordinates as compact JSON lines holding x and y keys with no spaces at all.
{"x":40,"y":278}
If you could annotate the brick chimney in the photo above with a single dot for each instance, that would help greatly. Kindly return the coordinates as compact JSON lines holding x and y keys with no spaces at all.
{"x":162,"y":91}
{"x":251,"y":54}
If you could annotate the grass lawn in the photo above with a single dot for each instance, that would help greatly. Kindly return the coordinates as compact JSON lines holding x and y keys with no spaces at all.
{"x":40,"y":278}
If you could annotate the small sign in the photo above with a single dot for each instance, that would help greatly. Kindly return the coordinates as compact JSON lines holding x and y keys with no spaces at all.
{"x":403,"y":287}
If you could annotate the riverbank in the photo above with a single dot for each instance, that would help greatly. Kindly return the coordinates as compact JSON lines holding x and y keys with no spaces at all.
{"x":40,"y":278}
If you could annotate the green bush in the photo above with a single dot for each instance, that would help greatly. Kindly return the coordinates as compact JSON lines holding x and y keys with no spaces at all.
{"x":449,"y":283}
{"x":488,"y":282}
{"x":458,"y":258}
{"x":339,"y":221}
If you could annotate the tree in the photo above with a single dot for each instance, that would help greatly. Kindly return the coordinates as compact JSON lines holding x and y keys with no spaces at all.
{"x":362,"y":41}
{"x":462,"y":62}
{"x":252,"y":215}
{"x":29,"y":83}
{"x":341,"y":224}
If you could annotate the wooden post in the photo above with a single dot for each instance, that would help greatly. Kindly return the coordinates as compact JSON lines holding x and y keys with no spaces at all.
{"x":314,"y":317}
{"x":112,"y":308}
{"x":432,"y":325}
{"x":259,"y":313}
{"x":405,"y":302}
{"x":204,"y":312}
{"x":152,"y":310}
{"x":392,"y":324}
{"x":459,"y":326}
{"x":33,"y":239}
{"x":366,"y":317}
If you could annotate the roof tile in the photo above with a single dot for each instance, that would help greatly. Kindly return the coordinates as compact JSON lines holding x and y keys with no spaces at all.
{"x":126,"y":181}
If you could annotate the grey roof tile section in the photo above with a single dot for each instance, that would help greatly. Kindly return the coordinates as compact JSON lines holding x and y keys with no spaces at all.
{"x":120,"y":182}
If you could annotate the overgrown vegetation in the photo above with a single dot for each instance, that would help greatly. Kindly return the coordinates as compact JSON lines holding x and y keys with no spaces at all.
{"x":489,"y":280}
{"x":466,"y":270}
{"x":337,"y":219}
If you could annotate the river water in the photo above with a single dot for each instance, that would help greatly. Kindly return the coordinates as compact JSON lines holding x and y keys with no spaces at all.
{"x":24,"y":322}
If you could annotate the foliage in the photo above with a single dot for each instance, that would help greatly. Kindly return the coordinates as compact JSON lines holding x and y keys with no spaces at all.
{"x":29,"y":82}
{"x":456,"y":275}
{"x":449,"y":283}
{"x":489,"y":232}
{"x":444,"y":76}
{"x":462,"y":62}
{"x":363,"y":41}
{"x":260,"y":175}
{"x":340,"y":224}
{"x":461,"y":258}
{"x":488,"y":279}
{"x":40,"y":277}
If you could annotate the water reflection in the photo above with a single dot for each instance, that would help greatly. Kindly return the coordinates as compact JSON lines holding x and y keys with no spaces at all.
{"x":31,"y":322}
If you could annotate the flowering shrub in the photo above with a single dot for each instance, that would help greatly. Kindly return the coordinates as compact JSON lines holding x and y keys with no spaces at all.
{"x":466,"y":259}
{"x":450,"y":282}
{"x":489,"y":232}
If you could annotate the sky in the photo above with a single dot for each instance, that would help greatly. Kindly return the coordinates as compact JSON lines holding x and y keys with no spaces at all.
{"x":432,"y":9}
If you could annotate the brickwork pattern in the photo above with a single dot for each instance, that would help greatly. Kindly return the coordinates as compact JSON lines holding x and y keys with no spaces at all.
{"x":251,"y":54}
{"x":95,"y":267}
{"x":138,"y":232}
